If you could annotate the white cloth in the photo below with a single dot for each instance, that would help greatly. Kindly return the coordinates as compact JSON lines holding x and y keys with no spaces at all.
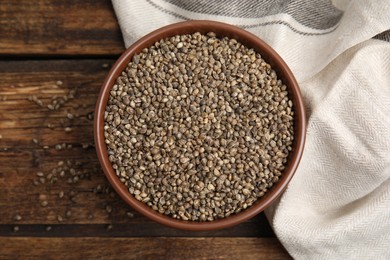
{"x":338,"y":204}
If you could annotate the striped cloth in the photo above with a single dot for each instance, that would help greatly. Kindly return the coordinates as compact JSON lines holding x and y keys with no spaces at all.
{"x":338,"y":204}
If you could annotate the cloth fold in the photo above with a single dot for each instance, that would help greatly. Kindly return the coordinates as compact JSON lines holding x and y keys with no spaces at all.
{"x":338,"y":203}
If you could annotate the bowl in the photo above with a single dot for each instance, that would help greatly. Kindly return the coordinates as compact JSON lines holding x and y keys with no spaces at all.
{"x":221,"y":30}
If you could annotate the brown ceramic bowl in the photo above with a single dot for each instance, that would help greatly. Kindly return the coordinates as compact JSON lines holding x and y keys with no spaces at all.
{"x":221,"y":30}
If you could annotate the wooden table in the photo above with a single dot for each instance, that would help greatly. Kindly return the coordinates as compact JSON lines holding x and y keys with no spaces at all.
{"x":55,"y":201}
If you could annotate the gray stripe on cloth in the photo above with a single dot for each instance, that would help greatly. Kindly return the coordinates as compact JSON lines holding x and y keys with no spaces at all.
{"x":316,"y":14}
{"x":385,"y":36}
{"x":169,"y":12}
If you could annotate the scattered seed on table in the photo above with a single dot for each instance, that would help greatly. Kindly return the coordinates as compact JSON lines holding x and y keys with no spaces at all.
{"x":59,"y":83}
{"x":75,"y":179}
{"x":16,"y":228}
{"x":48,"y":228}
{"x":67,"y":129}
{"x":18,"y":217}
{"x":44,"y":203}
{"x":59,"y":218}
{"x":98,"y":189}
{"x":90,"y":116}
{"x":61,"y":194}
{"x":35,"y":141}
{"x":109,"y":227}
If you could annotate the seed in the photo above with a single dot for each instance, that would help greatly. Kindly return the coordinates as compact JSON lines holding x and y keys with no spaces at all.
{"x":67,"y":129}
{"x":59,"y":218}
{"x":59,"y":83}
{"x":109,"y":227}
{"x":69,"y":115}
{"x":35,"y":141}
{"x":99,"y":188}
{"x":108,"y":209}
{"x":210,"y":187}
{"x":75,"y":179}
{"x":89,"y":116}
{"x":16,"y":228}
{"x":61,"y":194}
{"x":184,"y":160}
{"x":44,"y":203}
{"x":68,"y":213}
{"x":148,"y":63}
{"x":48,"y":228}
{"x":18,"y":217}
{"x":246,"y":192}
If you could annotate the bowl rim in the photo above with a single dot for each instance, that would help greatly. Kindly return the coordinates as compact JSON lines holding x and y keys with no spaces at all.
{"x":271,"y":57}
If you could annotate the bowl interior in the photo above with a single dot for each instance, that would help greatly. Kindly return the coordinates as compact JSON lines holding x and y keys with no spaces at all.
{"x":221,"y":30}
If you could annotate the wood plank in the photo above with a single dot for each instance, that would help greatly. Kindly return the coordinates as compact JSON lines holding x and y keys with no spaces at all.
{"x":141,"y":248}
{"x":21,"y":121}
{"x":140,"y":228}
{"x":59,"y":27}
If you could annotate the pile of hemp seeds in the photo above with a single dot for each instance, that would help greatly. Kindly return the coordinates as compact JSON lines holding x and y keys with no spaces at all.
{"x":198,"y":127}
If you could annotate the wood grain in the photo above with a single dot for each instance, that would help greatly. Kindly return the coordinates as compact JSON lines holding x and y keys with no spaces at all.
{"x":21,"y":159}
{"x":141,"y":248}
{"x":59,"y":27}
{"x":35,"y":36}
